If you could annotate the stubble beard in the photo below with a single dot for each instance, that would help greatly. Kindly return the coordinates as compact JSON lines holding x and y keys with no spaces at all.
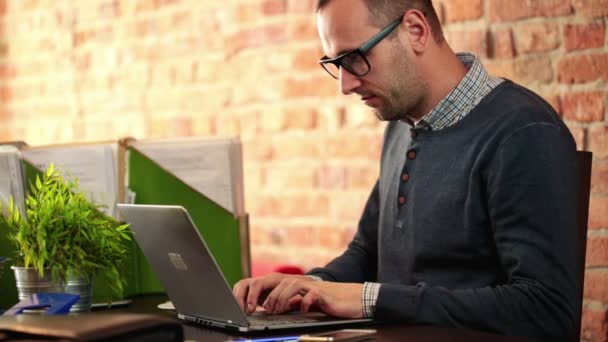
{"x":404,"y":88}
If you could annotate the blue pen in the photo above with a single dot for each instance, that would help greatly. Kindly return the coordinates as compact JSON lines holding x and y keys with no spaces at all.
{"x":268,"y":339}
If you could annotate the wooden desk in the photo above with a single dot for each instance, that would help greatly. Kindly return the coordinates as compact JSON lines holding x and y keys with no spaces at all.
{"x":386,"y":333}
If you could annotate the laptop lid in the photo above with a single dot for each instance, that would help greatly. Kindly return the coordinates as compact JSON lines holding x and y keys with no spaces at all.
{"x":189,"y":273}
{"x":185,"y":267}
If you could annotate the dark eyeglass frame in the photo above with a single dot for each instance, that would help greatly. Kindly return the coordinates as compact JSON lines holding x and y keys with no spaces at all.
{"x":362,"y":51}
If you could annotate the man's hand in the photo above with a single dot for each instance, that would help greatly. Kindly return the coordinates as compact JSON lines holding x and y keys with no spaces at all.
{"x":289,"y":292}
{"x":252,"y":291}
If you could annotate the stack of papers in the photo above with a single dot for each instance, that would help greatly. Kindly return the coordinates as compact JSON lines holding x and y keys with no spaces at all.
{"x":211,"y":166}
{"x":93,"y":164}
{"x":11,"y":178}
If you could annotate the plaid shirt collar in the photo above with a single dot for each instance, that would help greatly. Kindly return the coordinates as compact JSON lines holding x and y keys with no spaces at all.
{"x":469,"y":92}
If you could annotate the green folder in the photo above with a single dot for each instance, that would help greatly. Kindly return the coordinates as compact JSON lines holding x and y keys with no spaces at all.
{"x":225,"y":234}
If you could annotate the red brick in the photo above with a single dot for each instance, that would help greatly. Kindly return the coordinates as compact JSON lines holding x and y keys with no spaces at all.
{"x":5,"y":115}
{"x":472,"y":41}
{"x":353,"y":146}
{"x":312,"y":86}
{"x":594,"y":325}
{"x":303,"y":29}
{"x":595,"y":285}
{"x":180,"y":127}
{"x":6,"y":94}
{"x":584,"y":36}
{"x":534,"y":68}
{"x":536,"y":37}
{"x":441,"y":11}
{"x":264,"y":236}
{"x":281,"y":178}
{"x":153,"y":5}
{"x":598,"y":141}
{"x":591,"y":8}
{"x":297,"y":147}
{"x":583,"y":107}
{"x":503,"y":46}
{"x":331,"y":177}
{"x":508,"y":10}
{"x":247,"y":13}
{"x":304,"y":205}
{"x":359,"y":116}
{"x":597,"y":251}
{"x":598,"y":212}
{"x":254,"y":177}
{"x":503,"y":68}
{"x":306,"y":59}
{"x":599,"y":177}
{"x":271,"y":34}
{"x":302,"y":6}
{"x":259,"y":149}
{"x":362,"y":177}
{"x":347,"y":206}
{"x":336,"y":238}
{"x":302,"y":236}
{"x":583,"y":68}
{"x":301,"y":118}
{"x":274,"y":7}
{"x":531,"y":69}
{"x":265,"y":206}
{"x":554,"y":101}
{"x":550,"y":8}
{"x":109,"y":10}
{"x":462,"y":10}
{"x":7,"y":71}
{"x":580,"y":136}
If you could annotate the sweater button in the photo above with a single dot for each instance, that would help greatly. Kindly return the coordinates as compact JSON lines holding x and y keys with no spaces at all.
{"x":413,"y":133}
{"x":405,"y":177}
{"x":411,"y":154}
{"x":402,"y":200}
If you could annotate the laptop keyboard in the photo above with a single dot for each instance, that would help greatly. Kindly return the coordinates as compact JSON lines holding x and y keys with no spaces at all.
{"x":283,"y":319}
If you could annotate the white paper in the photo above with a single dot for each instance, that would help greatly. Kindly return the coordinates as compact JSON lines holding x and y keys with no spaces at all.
{"x":94,"y":165}
{"x":212,"y":166}
{"x":11,"y":178}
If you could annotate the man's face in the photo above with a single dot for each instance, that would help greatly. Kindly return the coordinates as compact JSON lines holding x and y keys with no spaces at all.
{"x":392,"y":87}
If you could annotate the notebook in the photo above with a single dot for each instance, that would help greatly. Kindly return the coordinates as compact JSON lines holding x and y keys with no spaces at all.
{"x":195,"y":284}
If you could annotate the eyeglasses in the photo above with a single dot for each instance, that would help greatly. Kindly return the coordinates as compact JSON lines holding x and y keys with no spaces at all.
{"x":354,"y":61}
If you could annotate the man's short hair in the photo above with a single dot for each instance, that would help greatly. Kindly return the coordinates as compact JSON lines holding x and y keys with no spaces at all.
{"x":382,"y":12}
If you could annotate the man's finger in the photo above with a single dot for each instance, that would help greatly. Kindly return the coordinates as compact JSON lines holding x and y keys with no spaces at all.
{"x":240,"y":293}
{"x":309,"y":300}
{"x":296,"y":287}
{"x":255,"y":288}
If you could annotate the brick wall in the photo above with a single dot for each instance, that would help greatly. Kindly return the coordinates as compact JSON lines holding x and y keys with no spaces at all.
{"x":100,"y":69}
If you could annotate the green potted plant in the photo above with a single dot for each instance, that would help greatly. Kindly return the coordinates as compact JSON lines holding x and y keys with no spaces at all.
{"x":65,"y":239}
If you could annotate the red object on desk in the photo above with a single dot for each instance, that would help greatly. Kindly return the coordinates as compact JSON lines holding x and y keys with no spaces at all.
{"x":260,"y":269}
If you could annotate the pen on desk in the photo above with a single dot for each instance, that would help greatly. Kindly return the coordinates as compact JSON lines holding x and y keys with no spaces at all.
{"x":269,"y":339}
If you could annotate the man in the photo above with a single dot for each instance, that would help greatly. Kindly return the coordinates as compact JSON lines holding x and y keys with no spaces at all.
{"x":472,"y":222}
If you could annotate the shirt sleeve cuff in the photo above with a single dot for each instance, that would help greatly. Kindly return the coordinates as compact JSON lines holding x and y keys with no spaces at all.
{"x":370,"y":297}
{"x":314,"y":277}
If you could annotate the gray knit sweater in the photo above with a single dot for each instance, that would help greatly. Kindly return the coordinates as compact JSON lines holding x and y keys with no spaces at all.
{"x":486,"y":235}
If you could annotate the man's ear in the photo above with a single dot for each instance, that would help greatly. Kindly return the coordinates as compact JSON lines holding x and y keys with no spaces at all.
{"x":417,"y":29}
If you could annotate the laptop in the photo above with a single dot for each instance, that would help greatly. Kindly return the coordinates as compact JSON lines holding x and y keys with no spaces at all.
{"x":195,"y":284}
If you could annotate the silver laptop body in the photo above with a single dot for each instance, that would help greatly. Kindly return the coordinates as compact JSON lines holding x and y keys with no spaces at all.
{"x":189,"y":273}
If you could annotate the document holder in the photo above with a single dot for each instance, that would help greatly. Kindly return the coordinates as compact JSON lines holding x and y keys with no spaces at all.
{"x":91,"y":327}
{"x":225,"y":233}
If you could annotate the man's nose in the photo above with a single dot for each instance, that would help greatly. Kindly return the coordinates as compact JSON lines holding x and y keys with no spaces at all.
{"x":348,"y":82}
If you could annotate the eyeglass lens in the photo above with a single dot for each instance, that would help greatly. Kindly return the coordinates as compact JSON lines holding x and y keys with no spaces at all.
{"x":353,"y":62}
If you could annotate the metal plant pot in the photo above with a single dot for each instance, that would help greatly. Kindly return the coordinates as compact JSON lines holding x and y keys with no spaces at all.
{"x":82,"y":287}
{"x":29,"y":282}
